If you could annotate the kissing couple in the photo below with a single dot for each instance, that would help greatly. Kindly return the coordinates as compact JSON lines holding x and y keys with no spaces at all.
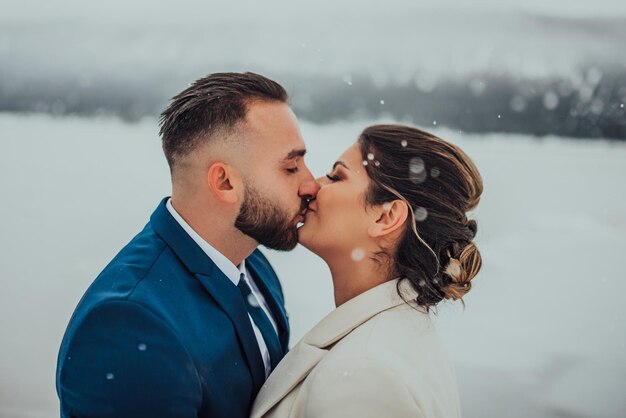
{"x":188,"y":320}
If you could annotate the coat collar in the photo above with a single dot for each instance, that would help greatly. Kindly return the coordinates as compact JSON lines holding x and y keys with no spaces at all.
{"x":341,"y":321}
{"x":180,"y":242}
{"x":301,"y":360}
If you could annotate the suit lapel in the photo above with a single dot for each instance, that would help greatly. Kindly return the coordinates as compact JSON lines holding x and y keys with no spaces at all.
{"x":228,"y":297}
{"x":221,"y":289}
{"x":293,"y":369}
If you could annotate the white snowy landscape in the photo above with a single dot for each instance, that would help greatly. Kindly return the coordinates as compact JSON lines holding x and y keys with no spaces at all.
{"x":544,"y":331}
{"x":535,"y":92}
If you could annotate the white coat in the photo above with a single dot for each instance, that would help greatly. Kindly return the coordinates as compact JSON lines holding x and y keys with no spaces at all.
{"x":374,"y":356}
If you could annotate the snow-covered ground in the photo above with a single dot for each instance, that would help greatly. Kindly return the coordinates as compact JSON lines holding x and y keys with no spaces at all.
{"x":544,"y":331}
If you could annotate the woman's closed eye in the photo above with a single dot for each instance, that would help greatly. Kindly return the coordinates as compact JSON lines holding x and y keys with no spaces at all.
{"x":333,"y":178}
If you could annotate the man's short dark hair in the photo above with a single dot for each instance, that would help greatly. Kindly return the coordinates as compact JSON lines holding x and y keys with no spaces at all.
{"x":215,"y":103}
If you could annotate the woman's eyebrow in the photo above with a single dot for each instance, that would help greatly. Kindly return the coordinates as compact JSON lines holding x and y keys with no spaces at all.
{"x":340,"y":163}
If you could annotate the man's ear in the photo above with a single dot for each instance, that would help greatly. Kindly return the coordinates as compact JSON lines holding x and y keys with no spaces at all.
{"x":223,"y":181}
{"x":388,"y":218}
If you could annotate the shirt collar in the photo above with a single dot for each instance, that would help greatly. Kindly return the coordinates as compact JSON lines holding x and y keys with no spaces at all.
{"x":221,"y":261}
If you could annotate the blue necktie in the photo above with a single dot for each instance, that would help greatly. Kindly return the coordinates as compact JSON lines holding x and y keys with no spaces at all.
{"x":262,"y":322}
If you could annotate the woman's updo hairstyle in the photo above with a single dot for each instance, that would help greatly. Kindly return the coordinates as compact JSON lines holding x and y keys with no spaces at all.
{"x":440,"y":183}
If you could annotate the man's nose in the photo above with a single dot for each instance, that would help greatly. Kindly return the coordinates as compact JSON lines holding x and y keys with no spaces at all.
{"x":309,"y":188}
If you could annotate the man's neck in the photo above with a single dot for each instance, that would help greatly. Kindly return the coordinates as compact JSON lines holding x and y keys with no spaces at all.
{"x":215,"y":226}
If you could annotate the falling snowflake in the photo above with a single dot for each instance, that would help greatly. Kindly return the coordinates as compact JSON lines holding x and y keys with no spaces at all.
{"x":518,"y":104}
{"x":252,"y":301}
{"x":417,"y":170}
{"x":550,"y":100}
{"x":358,"y":254}
{"x":420,"y":214}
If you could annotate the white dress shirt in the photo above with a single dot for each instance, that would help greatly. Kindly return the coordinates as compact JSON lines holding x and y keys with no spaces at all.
{"x":233,"y":273}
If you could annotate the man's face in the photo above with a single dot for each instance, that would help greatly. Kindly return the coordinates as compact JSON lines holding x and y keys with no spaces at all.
{"x":277,"y":182}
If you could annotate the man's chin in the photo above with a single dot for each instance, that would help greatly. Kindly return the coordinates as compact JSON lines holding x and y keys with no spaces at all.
{"x":288,"y":240}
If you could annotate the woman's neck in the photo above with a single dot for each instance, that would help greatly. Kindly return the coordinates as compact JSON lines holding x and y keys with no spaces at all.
{"x":351,"y":277}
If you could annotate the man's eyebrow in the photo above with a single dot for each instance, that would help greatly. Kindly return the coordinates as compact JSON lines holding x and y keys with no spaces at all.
{"x":340,"y":163}
{"x":295,"y":153}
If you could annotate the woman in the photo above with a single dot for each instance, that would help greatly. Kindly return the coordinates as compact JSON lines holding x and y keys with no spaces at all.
{"x":390,"y":222}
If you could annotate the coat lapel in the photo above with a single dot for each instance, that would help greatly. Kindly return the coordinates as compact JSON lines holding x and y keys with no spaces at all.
{"x":221,"y":289}
{"x":358,"y":310}
{"x":301,"y":360}
{"x":293,"y":369}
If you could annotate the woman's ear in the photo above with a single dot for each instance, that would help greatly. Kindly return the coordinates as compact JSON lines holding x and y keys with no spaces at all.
{"x":223,"y":182}
{"x":390,"y":217}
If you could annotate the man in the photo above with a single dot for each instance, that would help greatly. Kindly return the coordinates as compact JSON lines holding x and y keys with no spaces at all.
{"x":188,"y":319}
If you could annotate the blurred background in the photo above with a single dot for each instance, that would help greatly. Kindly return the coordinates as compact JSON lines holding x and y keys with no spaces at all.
{"x":534,"y":92}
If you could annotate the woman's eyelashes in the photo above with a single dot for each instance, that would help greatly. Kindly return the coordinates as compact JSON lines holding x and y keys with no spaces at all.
{"x":333,"y":178}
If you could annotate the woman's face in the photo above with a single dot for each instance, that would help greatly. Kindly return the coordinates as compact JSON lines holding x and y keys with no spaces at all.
{"x":337,"y":221}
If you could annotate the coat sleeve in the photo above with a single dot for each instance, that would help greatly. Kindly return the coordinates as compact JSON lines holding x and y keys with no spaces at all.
{"x":123,"y":361}
{"x":359,"y":388}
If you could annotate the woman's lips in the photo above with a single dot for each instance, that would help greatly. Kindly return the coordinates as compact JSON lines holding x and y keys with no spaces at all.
{"x":303,"y":216}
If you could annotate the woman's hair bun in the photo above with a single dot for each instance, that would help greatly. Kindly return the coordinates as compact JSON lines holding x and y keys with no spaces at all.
{"x":461,"y":271}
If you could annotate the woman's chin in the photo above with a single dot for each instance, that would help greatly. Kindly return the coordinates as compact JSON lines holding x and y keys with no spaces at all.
{"x":304,"y":236}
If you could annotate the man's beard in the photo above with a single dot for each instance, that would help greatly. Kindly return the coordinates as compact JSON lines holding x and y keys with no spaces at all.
{"x":264,"y":221}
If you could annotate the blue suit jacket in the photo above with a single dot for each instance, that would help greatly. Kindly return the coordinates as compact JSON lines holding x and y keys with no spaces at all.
{"x":162,"y":332}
